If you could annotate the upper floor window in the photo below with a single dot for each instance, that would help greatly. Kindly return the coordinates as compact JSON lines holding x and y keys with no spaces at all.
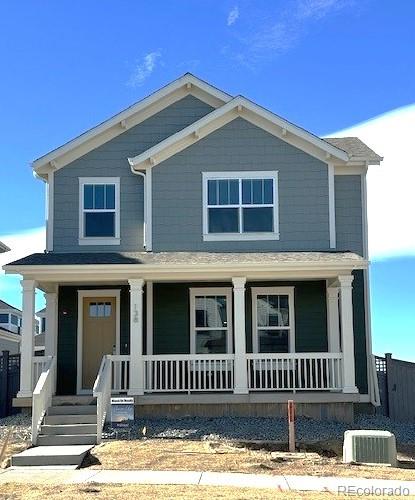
{"x":4,"y":318}
{"x":14,"y":320}
{"x":240,"y":206}
{"x":99,"y":217}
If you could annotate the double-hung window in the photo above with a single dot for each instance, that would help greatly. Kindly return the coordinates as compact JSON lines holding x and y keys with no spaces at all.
{"x":210,"y":320}
{"x":240,"y":205}
{"x":273,"y":319}
{"x":99,"y":217}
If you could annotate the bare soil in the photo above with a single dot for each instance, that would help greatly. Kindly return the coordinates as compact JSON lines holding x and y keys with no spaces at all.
{"x":171,"y":454}
{"x":30,"y":492}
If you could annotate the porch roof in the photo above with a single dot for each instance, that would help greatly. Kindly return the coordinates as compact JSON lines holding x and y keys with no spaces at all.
{"x":185,"y":258}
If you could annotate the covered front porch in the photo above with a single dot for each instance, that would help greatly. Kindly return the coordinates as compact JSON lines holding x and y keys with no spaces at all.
{"x":177,"y":336}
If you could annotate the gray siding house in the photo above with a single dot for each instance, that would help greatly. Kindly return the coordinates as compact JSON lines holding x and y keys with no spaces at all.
{"x":10,"y":322}
{"x":204,"y":255}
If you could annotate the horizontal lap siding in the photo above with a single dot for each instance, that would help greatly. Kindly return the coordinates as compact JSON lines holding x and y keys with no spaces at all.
{"x":349,"y":237}
{"x":110,"y":160}
{"x":348,"y":203}
{"x":9,"y":345}
{"x":240,"y":146}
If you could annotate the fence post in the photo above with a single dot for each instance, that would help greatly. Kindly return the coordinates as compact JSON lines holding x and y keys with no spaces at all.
{"x":388,"y":360}
{"x":4,"y":384}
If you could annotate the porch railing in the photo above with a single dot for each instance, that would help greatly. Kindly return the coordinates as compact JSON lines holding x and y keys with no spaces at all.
{"x":42,"y":395}
{"x":295,"y":371}
{"x":189,"y":373}
{"x":102,"y":391}
{"x":120,"y":372}
{"x":39,"y":364}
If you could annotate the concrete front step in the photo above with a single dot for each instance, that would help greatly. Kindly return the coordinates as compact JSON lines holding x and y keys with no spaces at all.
{"x":70,"y":419}
{"x":68,"y":429}
{"x":72,"y":410}
{"x":51,"y":456}
{"x":66,"y":439}
{"x":73,"y":400}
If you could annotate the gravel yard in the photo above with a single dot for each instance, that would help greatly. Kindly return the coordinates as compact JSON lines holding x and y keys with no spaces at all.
{"x":254,"y":428}
{"x":19,"y":438}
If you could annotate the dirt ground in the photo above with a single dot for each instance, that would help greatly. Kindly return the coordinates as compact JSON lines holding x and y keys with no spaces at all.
{"x":170,"y":454}
{"x":12,"y":449}
{"x":109,"y":492}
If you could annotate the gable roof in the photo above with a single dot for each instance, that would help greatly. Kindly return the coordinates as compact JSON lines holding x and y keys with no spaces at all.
{"x":5,"y":305}
{"x":227,"y":108}
{"x":238,"y":107}
{"x":187,"y":84}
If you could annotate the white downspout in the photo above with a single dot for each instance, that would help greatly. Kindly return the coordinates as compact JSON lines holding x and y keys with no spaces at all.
{"x":145,"y":225}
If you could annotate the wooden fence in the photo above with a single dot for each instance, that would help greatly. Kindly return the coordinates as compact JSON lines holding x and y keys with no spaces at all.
{"x":396,"y":387}
{"x":9,"y":382}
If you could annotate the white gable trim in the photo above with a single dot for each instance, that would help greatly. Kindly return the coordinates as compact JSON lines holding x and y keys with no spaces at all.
{"x":135,"y":114}
{"x":239,"y":107}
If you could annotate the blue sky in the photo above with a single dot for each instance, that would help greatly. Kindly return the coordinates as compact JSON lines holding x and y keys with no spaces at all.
{"x":327,"y":65}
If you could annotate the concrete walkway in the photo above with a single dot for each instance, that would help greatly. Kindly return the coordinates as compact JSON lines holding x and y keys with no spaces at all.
{"x":53,"y":476}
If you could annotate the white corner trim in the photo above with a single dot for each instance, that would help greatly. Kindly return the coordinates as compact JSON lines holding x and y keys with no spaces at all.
{"x":50,"y":185}
{"x":255,"y":174}
{"x":94,"y":293}
{"x":111,"y":240}
{"x":281,"y":290}
{"x":207,"y":291}
{"x":332,"y":206}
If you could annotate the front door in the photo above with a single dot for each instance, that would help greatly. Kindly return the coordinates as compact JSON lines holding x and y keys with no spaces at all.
{"x":98,"y":335}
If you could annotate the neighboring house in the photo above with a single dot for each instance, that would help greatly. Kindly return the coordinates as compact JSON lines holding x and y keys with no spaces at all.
{"x":206,"y":252}
{"x":4,"y":248}
{"x":10,"y":323}
{"x":39,"y":346}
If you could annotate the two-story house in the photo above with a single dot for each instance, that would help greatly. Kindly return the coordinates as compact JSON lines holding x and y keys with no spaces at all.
{"x":205,"y":256}
{"x":10,"y":324}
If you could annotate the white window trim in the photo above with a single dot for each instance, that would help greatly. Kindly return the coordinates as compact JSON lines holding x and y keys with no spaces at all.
{"x":87,"y":240}
{"x":283,"y":290}
{"x":256,"y":174}
{"x":227,"y":292}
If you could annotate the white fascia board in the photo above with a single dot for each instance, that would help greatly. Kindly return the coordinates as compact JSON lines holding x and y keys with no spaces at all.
{"x":237,"y":107}
{"x":55,"y":272}
{"x":183,"y":86}
{"x":13,"y":337}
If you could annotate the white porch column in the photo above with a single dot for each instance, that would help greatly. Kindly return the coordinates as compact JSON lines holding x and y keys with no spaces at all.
{"x":333,"y":319}
{"x":240,"y":366}
{"x":136,"y":337}
{"x":346,"y":309}
{"x":27,"y":333}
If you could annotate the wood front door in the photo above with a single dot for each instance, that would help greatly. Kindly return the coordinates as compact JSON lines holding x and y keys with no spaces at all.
{"x":98,"y":335}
